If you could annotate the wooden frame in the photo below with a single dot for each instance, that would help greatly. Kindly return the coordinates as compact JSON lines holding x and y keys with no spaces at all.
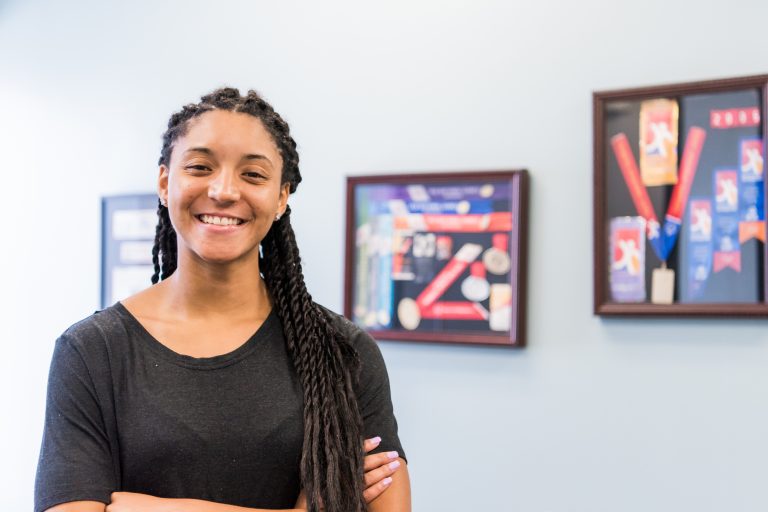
{"x":731,"y":114}
{"x":428,"y":240}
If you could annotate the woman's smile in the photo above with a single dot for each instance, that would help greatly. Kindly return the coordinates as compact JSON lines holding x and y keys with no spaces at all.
{"x":219,"y":220}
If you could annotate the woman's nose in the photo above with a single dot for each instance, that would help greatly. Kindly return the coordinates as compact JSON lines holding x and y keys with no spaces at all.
{"x":223,"y":188}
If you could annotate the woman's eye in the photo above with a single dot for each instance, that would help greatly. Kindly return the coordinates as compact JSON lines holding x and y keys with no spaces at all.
{"x":253,"y":175}
{"x":200,"y":168}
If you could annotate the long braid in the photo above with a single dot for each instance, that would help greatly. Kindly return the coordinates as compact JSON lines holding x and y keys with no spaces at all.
{"x":326,"y":365}
{"x":330,"y":403}
{"x":164,"y":250}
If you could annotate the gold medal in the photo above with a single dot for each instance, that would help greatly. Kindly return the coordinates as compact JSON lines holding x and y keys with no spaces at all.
{"x":496,"y":259}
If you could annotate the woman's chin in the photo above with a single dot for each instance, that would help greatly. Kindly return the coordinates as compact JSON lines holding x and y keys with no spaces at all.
{"x":223,"y":258}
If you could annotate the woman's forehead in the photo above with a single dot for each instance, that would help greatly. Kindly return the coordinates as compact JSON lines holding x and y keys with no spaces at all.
{"x":225,"y":132}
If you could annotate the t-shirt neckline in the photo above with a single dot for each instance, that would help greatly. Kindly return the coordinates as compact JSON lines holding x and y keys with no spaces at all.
{"x":266,"y":329}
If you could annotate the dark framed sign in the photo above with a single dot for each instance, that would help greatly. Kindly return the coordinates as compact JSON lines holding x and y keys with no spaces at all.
{"x":438,"y":257}
{"x":127,"y":235}
{"x":680,"y":199}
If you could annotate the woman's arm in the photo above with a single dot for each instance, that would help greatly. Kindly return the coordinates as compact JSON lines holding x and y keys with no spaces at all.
{"x":379,"y":470}
{"x":130,"y":502}
{"x":79,"y":506}
{"x":135,"y":502}
{"x":398,"y":495}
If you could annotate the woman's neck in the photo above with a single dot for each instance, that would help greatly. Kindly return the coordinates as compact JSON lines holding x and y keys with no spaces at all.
{"x":200,"y":289}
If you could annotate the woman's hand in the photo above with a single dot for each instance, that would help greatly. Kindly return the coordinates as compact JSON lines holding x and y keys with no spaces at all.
{"x":135,"y":502}
{"x":378,"y":469}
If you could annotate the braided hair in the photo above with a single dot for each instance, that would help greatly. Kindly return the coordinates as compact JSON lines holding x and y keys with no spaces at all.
{"x":326,"y":365}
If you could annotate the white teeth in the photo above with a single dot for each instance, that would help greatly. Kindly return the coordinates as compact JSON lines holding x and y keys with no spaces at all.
{"x":220,"y":221}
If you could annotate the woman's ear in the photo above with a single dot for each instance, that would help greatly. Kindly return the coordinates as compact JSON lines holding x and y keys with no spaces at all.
{"x":162,"y":185}
{"x":282,"y":203}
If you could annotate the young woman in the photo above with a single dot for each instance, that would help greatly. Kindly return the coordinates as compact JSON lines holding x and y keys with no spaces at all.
{"x":223,"y":387}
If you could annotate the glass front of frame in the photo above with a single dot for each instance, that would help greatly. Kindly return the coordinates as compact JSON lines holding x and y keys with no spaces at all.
{"x":435,"y":257}
{"x":684,"y":201}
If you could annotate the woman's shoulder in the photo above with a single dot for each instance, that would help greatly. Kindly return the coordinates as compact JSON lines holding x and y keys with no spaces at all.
{"x":93,"y":332}
{"x":357,"y":337}
{"x":86,"y":348}
{"x":352,"y":332}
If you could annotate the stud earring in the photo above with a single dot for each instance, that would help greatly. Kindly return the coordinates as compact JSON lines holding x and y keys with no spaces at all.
{"x":164,"y":202}
{"x":277,"y":216}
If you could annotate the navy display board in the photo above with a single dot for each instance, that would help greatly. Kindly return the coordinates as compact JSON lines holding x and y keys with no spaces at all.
{"x":127,"y":234}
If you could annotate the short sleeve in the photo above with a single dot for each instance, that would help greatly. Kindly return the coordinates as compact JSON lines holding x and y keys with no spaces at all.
{"x":373,"y":395}
{"x":75,"y":460}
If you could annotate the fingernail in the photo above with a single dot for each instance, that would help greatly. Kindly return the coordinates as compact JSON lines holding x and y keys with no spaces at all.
{"x":387,"y":481}
{"x":392,"y":455}
{"x":375,"y":440}
{"x":394,"y":464}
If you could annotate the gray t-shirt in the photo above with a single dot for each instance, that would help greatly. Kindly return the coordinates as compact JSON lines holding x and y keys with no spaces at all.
{"x":126,"y":413}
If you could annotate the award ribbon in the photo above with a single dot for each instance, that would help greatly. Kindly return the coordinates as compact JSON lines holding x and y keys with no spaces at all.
{"x":455,"y":311}
{"x":458,"y":264}
{"x":752,"y":180}
{"x":445,"y":223}
{"x":400,"y":207}
{"x":726,"y":221}
{"x":700,"y":246}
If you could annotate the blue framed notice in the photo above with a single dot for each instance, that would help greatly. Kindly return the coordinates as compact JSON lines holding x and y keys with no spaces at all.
{"x":128,"y":225}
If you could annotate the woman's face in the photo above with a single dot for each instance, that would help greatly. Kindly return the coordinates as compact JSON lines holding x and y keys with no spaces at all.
{"x":222,"y":186}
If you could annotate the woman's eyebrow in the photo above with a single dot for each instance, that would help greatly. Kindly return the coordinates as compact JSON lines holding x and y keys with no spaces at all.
{"x":249,"y":156}
{"x":204,"y":150}
{"x":256,"y":156}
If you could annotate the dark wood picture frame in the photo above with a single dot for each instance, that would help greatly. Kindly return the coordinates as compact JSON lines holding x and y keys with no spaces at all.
{"x":490,"y":227}
{"x":606,"y":168}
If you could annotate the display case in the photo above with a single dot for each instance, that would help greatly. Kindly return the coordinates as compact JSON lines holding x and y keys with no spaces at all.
{"x":679,"y":199}
{"x":438,"y":257}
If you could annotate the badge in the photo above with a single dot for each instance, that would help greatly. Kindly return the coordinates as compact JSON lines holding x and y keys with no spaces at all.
{"x":627,"y":273}
{"x":663,"y":285}
{"x":658,"y":142}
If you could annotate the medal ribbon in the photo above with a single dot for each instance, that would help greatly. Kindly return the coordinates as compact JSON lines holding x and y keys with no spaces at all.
{"x":662,"y":241}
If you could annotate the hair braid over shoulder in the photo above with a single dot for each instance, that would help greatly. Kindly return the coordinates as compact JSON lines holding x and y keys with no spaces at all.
{"x":326,"y":365}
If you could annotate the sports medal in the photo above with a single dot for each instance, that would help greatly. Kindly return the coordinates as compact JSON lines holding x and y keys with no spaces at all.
{"x":476,"y":287}
{"x":496,"y":259}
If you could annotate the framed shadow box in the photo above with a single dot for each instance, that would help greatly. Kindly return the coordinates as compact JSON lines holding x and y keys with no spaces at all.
{"x":679,"y":199}
{"x":438,"y":257}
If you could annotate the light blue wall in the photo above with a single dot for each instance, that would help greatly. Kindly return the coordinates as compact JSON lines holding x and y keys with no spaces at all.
{"x":596,"y":415}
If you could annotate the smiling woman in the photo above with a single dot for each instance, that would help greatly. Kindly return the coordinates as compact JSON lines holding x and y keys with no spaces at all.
{"x":223,"y":386}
